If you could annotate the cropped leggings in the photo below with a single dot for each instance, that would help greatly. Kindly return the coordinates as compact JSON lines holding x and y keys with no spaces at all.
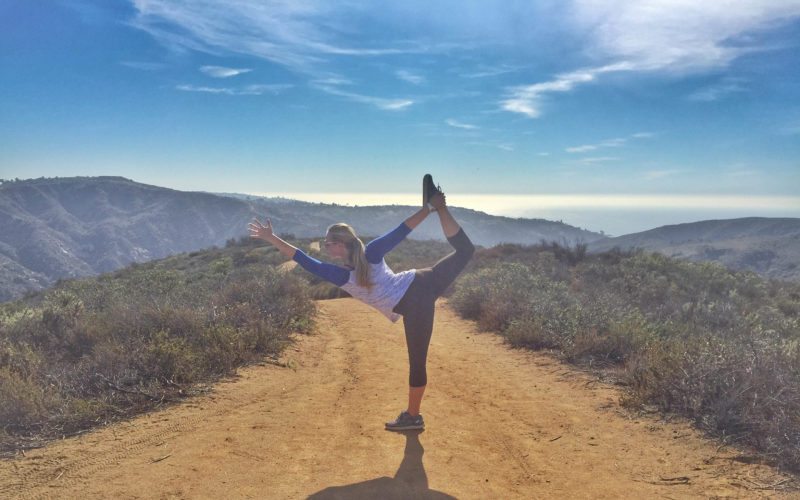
{"x":417,"y":305}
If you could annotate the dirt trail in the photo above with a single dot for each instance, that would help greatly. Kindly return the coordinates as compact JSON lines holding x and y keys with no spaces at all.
{"x":500,"y":424}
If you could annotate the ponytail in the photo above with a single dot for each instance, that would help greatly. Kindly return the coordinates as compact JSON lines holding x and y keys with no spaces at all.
{"x":355,"y":249}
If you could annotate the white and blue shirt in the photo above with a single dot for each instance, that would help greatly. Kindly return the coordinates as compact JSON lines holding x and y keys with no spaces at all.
{"x":388,"y":287}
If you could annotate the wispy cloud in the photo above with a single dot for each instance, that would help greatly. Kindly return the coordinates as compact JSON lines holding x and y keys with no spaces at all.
{"x":609,"y":143}
{"x":144,"y":66}
{"x":246,"y":90}
{"x":378,"y":102}
{"x":222,"y":72}
{"x":718,"y":91}
{"x":409,"y":77}
{"x":659,"y":174}
{"x":491,"y":71}
{"x":527,"y":99}
{"x":458,"y":124}
{"x":599,"y":159}
{"x":677,"y":37}
{"x":613,"y":143}
{"x":296,"y":34}
{"x":505,"y":146}
{"x":581,"y":149}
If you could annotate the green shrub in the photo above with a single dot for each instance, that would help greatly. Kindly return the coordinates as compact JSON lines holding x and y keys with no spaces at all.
{"x":22,"y":401}
{"x":720,"y":347}
{"x":91,"y":350}
{"x":170,"y":358}
{"x":532,"y":334}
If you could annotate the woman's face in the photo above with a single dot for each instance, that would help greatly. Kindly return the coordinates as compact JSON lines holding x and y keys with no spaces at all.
{"x":335,"y":249}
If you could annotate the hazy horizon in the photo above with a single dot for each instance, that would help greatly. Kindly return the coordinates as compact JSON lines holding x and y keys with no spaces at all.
{"x":613,"y":215}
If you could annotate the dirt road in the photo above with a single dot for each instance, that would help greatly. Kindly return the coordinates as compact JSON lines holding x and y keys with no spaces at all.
{"x":501,"y":424}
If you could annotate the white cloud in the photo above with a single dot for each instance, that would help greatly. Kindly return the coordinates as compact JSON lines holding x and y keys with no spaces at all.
{"x":658,"y":174}
{"x":527,"y":99}
{"x":409,"y":77}
{"x":332,"y":80}
{"x":505,"y":146}
{"x":457,"y":124}
{"x":581,"y":149}
{"x":378,"y":102}
{"x":682,"y":36}
{"x":489,"y":72}
{"x":718,"y":91}
{"x":292,"y":33}
{"x":144,"y":66}
{"x":609,"y":143}
{"x":222,"y":72}
{"x":673,"y":36}
{"x":599,"y":159}
{"x":613,"y":143}
{"x":247,"y":90}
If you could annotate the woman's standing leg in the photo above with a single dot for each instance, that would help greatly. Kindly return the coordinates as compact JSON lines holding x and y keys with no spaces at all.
{"x":418,"y":328}
{"x":417,"y":308}
{"x":420,"y":325}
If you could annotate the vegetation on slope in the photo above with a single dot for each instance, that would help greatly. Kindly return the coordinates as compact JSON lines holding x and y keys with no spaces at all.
{"x":98,"y":349}
{"x":720,"y":347}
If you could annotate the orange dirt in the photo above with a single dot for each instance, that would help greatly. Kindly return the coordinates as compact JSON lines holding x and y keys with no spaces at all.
{"x":501,"y":424}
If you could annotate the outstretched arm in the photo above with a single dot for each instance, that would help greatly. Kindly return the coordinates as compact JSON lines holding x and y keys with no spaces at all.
{"x":377,"y":248}
{"x":335,"y":274}
{"x":265,"y":233}
{"x":417,"y":217}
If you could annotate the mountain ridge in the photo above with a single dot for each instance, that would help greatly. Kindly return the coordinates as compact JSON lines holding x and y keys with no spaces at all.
{"x":768,"y":246}
{"x":73,"y":227}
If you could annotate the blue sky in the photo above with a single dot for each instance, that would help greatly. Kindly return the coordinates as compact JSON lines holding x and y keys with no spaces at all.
{"x":608,"y":115}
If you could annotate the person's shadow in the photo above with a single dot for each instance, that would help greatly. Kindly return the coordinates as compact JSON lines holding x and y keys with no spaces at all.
{"x":410,"y":480}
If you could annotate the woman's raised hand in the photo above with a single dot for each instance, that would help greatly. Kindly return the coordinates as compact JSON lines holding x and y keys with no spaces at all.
{"x":261,"y":231}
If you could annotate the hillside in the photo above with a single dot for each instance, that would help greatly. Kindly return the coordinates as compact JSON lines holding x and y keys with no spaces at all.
{"x":768,"y":246}
{"x":82,"y":226}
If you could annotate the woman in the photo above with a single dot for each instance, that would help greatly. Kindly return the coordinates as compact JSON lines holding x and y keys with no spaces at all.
{"x":411,"y":294}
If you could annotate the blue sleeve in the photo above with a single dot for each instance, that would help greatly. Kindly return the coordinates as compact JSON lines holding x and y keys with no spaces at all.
{"x":377,"y":248}
{"x":335,"y":274}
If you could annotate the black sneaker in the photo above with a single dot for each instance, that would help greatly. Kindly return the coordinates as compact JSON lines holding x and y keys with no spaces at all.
{"x":405,"y":422}
{"x":429,"y":189}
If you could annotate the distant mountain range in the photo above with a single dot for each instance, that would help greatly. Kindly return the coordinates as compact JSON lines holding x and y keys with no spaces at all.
{"x":82,"y":226}
{"x":768,"y":246}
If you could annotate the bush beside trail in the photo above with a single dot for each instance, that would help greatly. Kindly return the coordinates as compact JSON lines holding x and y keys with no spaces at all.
{"x":720,"y":347}
{"x":99,"y":349}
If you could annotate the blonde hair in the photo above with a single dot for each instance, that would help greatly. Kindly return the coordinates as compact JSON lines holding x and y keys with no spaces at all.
{"x":344,"y":233}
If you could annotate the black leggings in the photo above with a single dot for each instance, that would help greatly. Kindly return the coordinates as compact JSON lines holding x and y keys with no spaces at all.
{"x":418,"y":303}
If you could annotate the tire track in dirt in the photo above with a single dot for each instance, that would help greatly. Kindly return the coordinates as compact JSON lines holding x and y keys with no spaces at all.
{"x":501,"y":423}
